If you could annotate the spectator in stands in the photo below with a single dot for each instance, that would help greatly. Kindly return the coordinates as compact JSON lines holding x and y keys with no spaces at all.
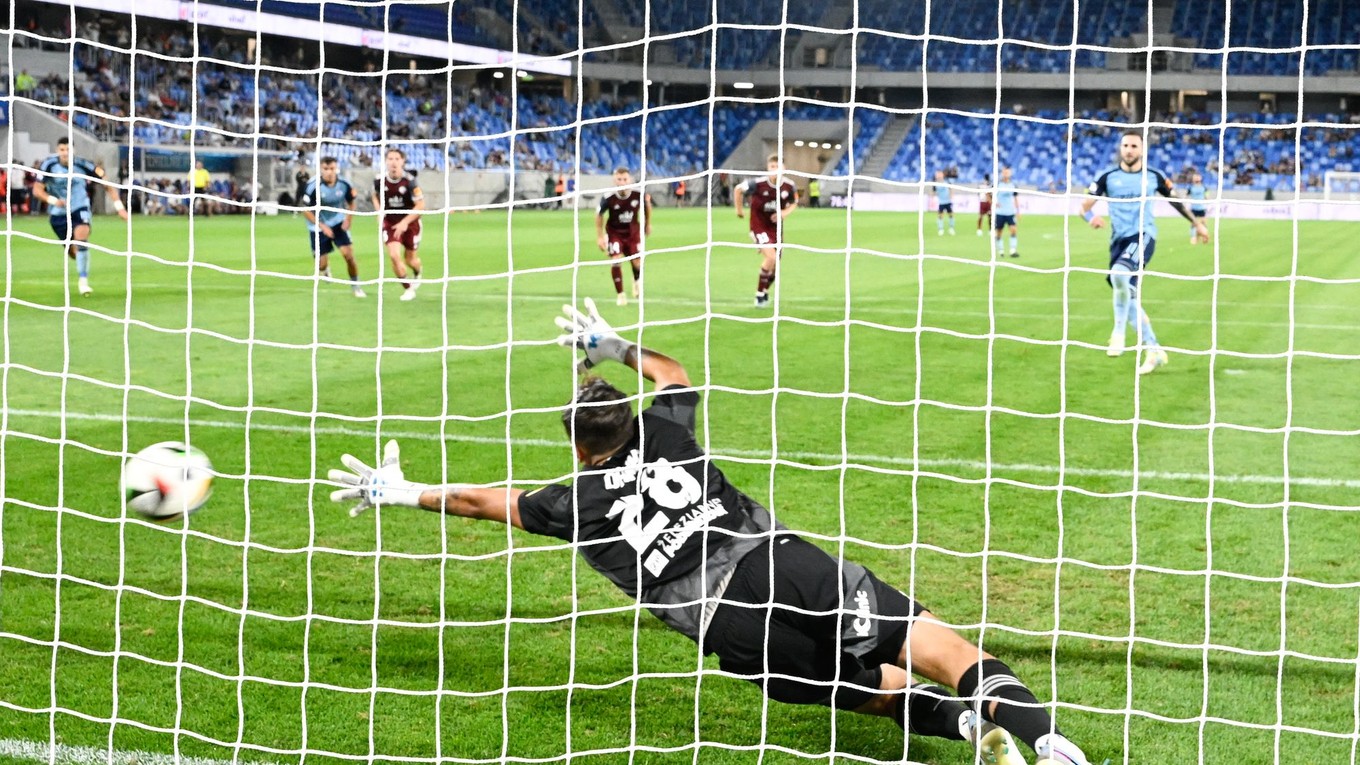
{"x":152,"y":203}
{"x":16,"y":183}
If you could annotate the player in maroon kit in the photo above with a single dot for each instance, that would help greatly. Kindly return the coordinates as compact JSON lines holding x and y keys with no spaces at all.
{"x":985,"y":206}
{"x":398,"y":196}
{"x":618,"y":231}
{"x":772,"y":200}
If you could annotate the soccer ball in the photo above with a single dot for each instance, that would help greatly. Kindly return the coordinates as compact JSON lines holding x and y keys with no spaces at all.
{"x":167,"y":480}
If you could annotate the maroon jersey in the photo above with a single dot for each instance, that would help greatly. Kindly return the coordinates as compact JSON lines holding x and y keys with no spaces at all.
{"x":765,"y":201}
{"x":400,"y":195}
{"x":623,"y":215}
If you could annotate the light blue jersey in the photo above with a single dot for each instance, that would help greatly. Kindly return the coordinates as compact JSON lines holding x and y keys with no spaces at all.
{"x":1197,"y":194}
{"x":70,"y":183}
{"x":1006,"y":203}
{"x":943,"y":195}
{"x":1131,"y":198}
{"x":334,"y":201}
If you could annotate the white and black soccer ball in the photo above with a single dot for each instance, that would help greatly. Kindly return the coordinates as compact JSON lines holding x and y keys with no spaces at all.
{"x":167,"y":480}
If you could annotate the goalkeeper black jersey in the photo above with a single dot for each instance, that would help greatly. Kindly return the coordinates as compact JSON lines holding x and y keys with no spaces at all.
{"x":658,"y":519}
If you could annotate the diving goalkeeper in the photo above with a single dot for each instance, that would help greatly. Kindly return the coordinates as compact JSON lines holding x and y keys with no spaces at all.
{"x":651,"y":513}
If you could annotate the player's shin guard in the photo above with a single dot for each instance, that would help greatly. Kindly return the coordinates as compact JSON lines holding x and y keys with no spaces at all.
{"x":929,"y":710}
{"x":1017,"y":710}
{"x":617,"y":273}
{"x":82,"y":261}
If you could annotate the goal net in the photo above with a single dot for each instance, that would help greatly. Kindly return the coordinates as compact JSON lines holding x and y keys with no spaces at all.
{"x":1340,"y":185}
{"x":931,"y":391}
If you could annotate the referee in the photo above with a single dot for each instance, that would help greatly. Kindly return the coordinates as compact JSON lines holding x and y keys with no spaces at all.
{"x":651,"y":513}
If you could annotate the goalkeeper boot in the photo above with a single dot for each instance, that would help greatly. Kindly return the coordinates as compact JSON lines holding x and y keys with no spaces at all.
{"x":994,"y":745}
{"x":1055,"y":749}
{"x":83,"y":286}
{"x":1116,"y":346}
{"x":409,"y":294}
{"x":1155,"y":359}
{"x":359,"y":292}
{"x":621,"y":299}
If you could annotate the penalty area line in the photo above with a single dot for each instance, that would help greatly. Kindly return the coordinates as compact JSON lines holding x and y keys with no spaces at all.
{"x":866,"y":459}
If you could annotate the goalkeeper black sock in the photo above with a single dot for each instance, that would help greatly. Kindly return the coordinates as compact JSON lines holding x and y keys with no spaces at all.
{"x":1017,"y":710}
{"x":929,"y":710}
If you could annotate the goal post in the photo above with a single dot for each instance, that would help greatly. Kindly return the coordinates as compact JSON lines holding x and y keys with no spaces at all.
{"x":1341,"y":186}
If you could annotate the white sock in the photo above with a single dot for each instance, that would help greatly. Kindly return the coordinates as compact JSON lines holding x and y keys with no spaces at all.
{"x":1119,"y":281}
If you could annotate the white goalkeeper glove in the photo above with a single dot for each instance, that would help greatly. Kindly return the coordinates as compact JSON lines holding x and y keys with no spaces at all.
{"x":374,"y":487}
{"x":592,"y":334}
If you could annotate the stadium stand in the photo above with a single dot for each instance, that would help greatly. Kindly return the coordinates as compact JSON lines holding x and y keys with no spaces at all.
{"x":1257,"y":157}
{"x":213,"y":102}
{"x":1273,"y":25}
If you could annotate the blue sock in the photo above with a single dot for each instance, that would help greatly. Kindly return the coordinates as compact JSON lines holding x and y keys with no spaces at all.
{"x":951,"y":224}
{"x":83,"y":261}
{"x":939,"y":225}
{"x":1123,"y":294}
{"x":1015,"y":242}
{"x":1139,"y":318}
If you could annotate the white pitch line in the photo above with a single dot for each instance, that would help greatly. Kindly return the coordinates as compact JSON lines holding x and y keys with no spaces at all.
{"x":67,"y":754}
{"x":834,"y":459}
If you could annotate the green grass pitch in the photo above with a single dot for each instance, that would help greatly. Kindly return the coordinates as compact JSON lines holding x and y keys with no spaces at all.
{"x":1130,"y":546}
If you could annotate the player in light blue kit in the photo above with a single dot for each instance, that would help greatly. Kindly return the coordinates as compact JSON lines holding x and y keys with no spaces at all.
{"x":1197,"y":193}
{"x":1005,"y":212}
{"x":944,"y":201}
{"x":64,"y":184}
{"x":328,"y":206}
{"x":1128,"y":190}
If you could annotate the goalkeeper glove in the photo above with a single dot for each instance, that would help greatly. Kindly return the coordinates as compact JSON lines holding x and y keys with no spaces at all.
{"x":374,"y":487}
{"x":592,"y":334}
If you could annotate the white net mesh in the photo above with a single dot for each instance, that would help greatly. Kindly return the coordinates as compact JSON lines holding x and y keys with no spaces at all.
{"x":1164,"y":559}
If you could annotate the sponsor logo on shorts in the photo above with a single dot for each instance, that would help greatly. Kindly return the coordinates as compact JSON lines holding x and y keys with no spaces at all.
{"x":861,"y":624}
